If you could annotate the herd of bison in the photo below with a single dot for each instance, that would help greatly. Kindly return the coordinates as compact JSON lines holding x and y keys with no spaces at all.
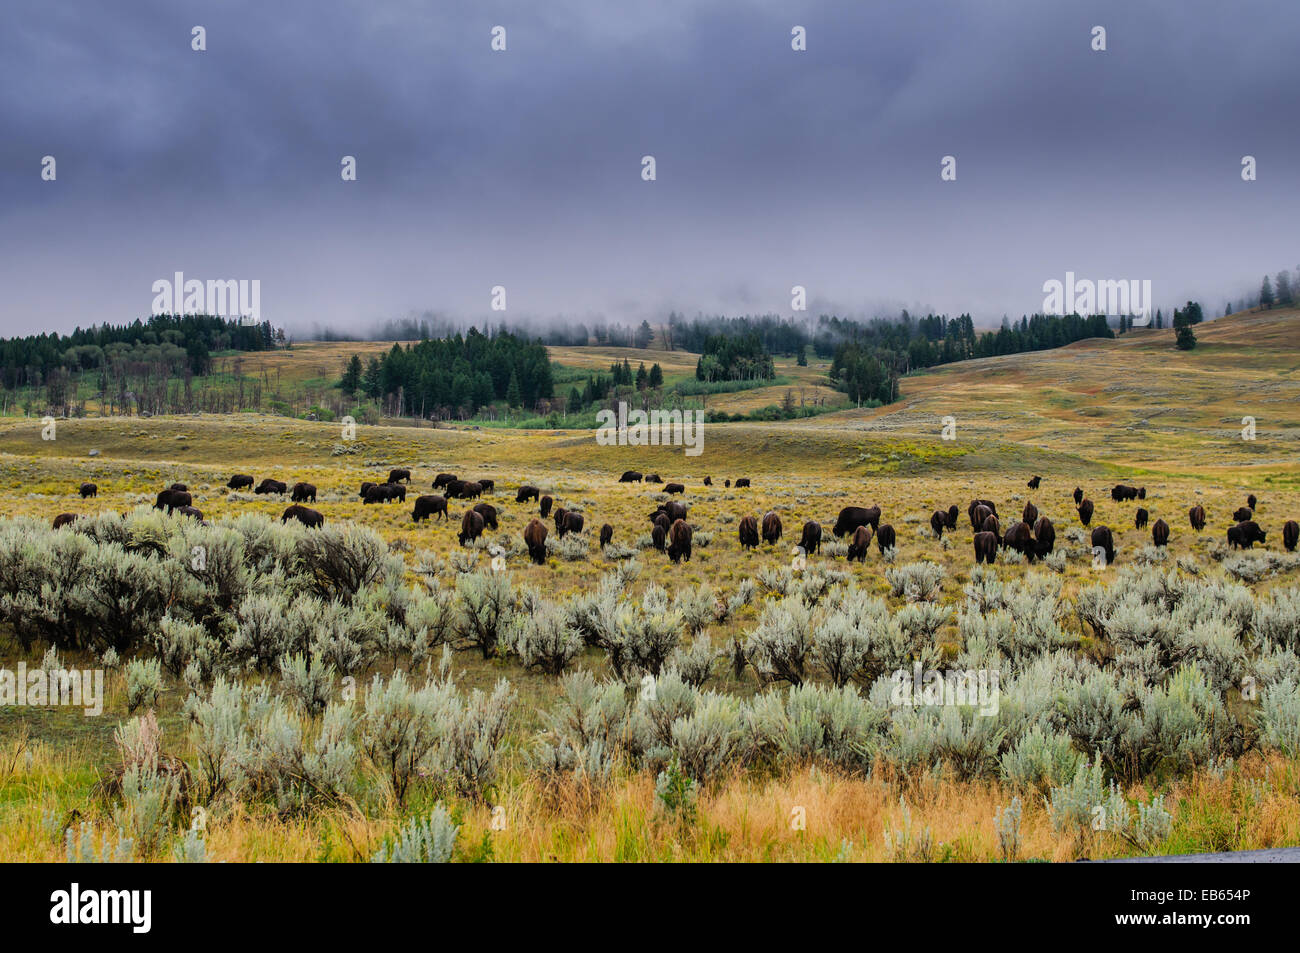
{"x":1033,"y":536}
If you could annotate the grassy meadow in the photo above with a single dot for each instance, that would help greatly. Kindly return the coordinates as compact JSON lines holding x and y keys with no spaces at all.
{"x":1133,"y":410}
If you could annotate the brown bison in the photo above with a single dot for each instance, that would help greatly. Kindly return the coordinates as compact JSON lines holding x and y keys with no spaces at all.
{"x":727,"y":482}
{"x":658,"y":536}
{"x":851,"y":517}
{"x":953,"y":511}
{"x":172,"y":500}
{"x":978,"y":513}
{"x":1243,"y":513}
{"x":1103,"y":540}
{"x":986,"y":548}
{"x":271,"y":486}
{"x":653,"y":478}
{"x":673,"y":509}
{"x":1085,"y":512}
{"x":427,"y":506}
{"x":674,"y":487}
{"x":743,"y":481}
{"x":663,"y":521}
{"x":302,"y":492}
{"x":630,"y":476}
{"x":365,"y":487}
{"x":487,"y":486}
{"x":1033,"y":483}
{"x":1196,"y":516}
{"x":606,"y":535}
{"x":1120,"y":492}
{"x":1251,"y":501}
{"x":1245,"y":535}
{"x":1290,"y":535}
{"x":885,"y":537}
{"x":748,"y":533}
{"x":1078,"y":496}
{"x":938,"y":522}
{"x":1029,"y":514}
{"x":679,"y":541}
{"x":859,"y":543}
{"x":1044,"y":536}
{"x":544,"y":507}
{"x":1020,"y":538}
{"x":489,"y":514}
{"x":535,"y":540}
{"x":811,"y":540}
{"x":308,"y":517}
{"x":378,"y":493}
{"x":708,"y":481}
{"x":567,"y":521}
{"x":396,"y":491}
{"x":63,"y":519}
{"x":442,"y":479}
{"x":771,"y":527}
{"x":527,"y":493}
{"x":471,"y":527}
{"x":191,"y":511}
{"x":89,"y":489}
{"x":991,"y":524}
{"x":1140,"y":518}
{"x":179,"y":486}
{"x":397,"y":476}
{"x":239,"y":481}
{"x":1160,"y":533}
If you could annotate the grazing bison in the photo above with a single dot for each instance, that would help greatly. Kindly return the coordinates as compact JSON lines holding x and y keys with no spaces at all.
{"x":630,"y":476}
{"x":708,"y":481}
{"x":1033,"y":483}
{"x":653,"y":478}
{"x":571,"y":522}
{"x":471,"y":527}
{"x":1140,"y":519}
{"x":743,"y":481}
{"x":1160,"y":533}
{"x":679,"y":541}
{"x":308,"y":517}
{"x":1103,"y":540}
{"x":527,"y":493}
{"x":748,"y":533}
{"x":811,"y":540}
{"x":1044,"y":536}
{"x":606,"y":535}
{"x":1078,"y":496}
{"x":89,"y":489}
{"x":545,"y":506}
{"x":978,"y":511}
{"x":1196,"y":516}
{"x":302,"y":492}
{"x":938,"y":521}
{"x":471,"y":490}
{"x":727,"y":483}
{"x":658,"y":535}
{"x":953,"y":511}
{"x":859,"y":543}
{"x":663,"y":521}
{"x":1085,"y":512}
{"x":1120,"y":492}
{"x":1245,"y":535}
{"x":535,"y":540}
{"x":1243,"y":513}
{"x":1290,"y":535}
{"x":383,"y":493}
{"x":674,"y":488}
{"x":986,"y":548}
{"x":674,"y":510}
{"x":442,"y":479}
{"x":63,"y":519}
{"x":427,"y":506}
{"x":191,"y":511}
{"x":397,"y":476}
{"x":239,"y":481}
{"x":172,"y":500}
{"x":1019,"y":537}
{"x":180,"y":486}
{"x":1251,"y":501}
{"x":991,"y":524}
{"x":851,"y":517}
{"x":489,"y":514}
{"x":486,"y":486}
{"x":1030,"y":514}
{"x":271,"y":486}
{"x":884,"y":537}
{"x":396,"y":491}
{"x":771,"y":527}
{"x":365,"y":488}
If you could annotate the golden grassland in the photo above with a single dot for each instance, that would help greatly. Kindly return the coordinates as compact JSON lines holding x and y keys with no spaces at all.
{"x":1092,"y":414}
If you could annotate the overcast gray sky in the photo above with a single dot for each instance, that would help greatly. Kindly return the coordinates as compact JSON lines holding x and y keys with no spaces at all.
{"x":523,"y":168}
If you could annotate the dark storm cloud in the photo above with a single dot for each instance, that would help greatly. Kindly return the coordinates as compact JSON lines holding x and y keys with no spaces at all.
{"x":522,"y":168}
